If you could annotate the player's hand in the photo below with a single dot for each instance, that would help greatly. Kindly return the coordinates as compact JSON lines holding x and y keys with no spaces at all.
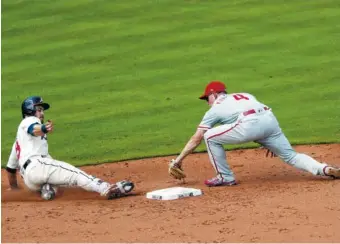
{"x":49,"y":126}
{"x":174,"y":162}
{"x":270,"y":154}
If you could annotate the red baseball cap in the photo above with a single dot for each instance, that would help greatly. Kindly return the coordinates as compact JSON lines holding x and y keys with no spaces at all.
{"x":213,"y":86}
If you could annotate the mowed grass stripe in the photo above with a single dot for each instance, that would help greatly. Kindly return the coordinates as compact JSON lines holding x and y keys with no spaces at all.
{"x":123,"y":78}
{"x":66,"y":50}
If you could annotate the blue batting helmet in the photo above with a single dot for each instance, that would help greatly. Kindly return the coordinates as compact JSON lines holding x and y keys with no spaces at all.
{"x":28,"y":105}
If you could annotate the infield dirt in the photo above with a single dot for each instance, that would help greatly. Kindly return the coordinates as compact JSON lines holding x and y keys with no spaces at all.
{"x":273,"y":202}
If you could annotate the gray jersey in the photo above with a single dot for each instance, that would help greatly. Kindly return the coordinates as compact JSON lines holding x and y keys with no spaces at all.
{"x":227,"y":108}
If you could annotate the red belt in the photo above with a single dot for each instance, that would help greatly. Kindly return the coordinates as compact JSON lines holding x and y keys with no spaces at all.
{"x":253,"y":111}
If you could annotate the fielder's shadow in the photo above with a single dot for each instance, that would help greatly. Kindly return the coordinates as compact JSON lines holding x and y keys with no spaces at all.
{"x":190,"y":182}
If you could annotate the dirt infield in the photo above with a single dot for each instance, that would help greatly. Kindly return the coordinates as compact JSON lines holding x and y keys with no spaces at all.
{"x":273,"y":202}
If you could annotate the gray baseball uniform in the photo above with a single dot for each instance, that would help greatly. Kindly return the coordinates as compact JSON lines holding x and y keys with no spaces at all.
{"x":244,"y":119}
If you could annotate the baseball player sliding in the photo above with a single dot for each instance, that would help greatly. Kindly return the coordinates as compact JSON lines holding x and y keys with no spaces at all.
{"x":241,"y":119}
{"x":39,"y":170}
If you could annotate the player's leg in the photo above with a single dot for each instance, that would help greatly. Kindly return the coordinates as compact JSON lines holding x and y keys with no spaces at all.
{"x":214,"y":139}
{"x":30,"y":185}
{"x":46,"y":191}
{"x":246,"y":129}
{"x":58,"y":173}
{"x":279,"y":144}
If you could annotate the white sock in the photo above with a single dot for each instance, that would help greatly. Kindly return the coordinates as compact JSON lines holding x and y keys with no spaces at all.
{"x":307,"y":163}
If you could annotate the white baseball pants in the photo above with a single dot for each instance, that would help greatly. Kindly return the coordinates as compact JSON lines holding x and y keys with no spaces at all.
{"x":43,"y":170}
{"x":263,"y":128}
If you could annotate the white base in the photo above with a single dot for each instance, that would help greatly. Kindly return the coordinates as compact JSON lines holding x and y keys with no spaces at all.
{"x":173,"y":193}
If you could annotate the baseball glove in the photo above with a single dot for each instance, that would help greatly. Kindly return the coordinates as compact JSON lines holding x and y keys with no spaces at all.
{"x":175,"y":170}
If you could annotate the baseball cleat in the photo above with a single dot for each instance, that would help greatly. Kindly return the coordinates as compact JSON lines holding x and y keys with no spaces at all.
{"x":332,"y":172}
{"x":120,"y":189}
{"x":48,"y":192}
{"x":219,"y":182}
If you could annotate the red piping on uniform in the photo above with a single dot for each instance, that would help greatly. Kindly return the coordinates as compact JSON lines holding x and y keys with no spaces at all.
{"x":223,"y":132}
{"x":215,"y":136}
{"x":213,"y":158}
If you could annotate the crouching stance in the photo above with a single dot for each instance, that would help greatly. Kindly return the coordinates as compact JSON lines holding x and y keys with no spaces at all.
{"x":241,"y":118}
{"x":39,"y":170}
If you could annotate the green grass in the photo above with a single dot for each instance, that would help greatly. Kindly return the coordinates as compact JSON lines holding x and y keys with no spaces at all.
{"x":123,"y":77}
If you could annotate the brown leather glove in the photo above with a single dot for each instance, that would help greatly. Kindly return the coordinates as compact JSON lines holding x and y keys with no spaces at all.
{"x":175,"y":170}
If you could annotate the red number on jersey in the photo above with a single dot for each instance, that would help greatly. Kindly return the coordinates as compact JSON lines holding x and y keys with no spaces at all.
{"x":240,"y":96}
{"x":17,"y":149}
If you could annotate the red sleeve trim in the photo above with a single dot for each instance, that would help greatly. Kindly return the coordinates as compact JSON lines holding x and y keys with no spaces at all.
{"x":203,"y":127}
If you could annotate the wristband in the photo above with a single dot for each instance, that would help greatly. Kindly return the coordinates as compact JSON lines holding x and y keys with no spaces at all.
{"x":43,"y":129}
{"x":10,"y":170}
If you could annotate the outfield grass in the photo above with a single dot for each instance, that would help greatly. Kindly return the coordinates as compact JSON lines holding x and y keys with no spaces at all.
{"x":123,"y":77}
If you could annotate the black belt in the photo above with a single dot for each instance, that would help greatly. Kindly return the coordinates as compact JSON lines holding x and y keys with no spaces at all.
{"x":29,"y":161}
{"x":26,"y":163}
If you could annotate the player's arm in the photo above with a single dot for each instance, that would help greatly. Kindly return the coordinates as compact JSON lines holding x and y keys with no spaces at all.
{"x":191,"y":145}
{"x":210,"y":119}
{"x":37,"y":129}
{"x":12,"y":180}
{"x":11,"y":169}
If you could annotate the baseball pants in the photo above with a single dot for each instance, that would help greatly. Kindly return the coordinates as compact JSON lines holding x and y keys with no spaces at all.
{"x":261,"y":127}
{"x":43,"y":170}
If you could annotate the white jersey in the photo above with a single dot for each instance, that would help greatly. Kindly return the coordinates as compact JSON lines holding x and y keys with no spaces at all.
{"x":227,"y":108}
{"x":27,"y":145}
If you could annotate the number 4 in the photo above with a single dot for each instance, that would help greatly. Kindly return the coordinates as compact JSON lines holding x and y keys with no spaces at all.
{"x":240,"y":96}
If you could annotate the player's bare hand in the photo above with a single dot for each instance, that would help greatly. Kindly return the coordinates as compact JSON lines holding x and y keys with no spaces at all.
{"x":269,"y":153}
{"x":49,"y":126}
{"x":174,"y":162}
